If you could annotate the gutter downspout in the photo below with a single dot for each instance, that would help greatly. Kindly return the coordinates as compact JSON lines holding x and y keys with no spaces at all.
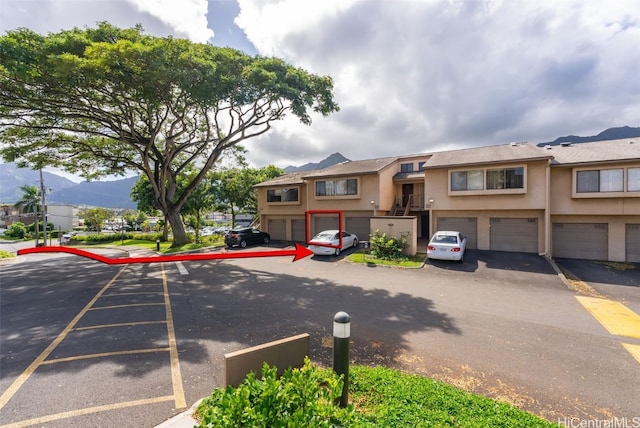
{"x":547,"y":212}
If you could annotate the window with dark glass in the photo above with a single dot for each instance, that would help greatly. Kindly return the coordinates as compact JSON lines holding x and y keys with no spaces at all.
{"x":287,"y":194}
{"x":605,"y":180}
{"x":406,"y":167}
{"x":505,"y":178}
{"x":467,"y":180}
{"x":342,"y":187}
{"x":633,"y":179}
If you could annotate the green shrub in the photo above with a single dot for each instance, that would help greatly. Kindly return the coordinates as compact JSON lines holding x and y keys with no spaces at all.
{"x":17,"y":230}
{"x":387,"y":248}
{"x":301,"y":397}
{"x":6,"y":255}
{"x":110,"y":237}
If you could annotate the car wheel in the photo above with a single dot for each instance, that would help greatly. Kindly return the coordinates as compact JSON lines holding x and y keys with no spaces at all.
{"x":243,"y":244}
{"x":337,"y":251}
{"x":265,"y":240}
{"x":355,"y":243}
{"x":461,"y":258}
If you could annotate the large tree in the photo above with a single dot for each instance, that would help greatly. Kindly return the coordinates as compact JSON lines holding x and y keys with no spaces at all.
{"x":30,"y":200}
{"x":106,"y":100}
{"x":233,"y":188}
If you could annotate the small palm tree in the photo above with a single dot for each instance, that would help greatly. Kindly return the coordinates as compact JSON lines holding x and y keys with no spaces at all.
{"x":30,"y":200}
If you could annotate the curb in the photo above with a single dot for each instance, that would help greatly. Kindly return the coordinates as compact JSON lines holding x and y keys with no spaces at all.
{"x":182,"y":420}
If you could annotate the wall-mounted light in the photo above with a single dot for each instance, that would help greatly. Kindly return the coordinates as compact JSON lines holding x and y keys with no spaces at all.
{"x":431,"y":200}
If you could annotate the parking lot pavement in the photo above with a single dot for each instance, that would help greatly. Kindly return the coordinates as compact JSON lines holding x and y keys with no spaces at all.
{"x":616,"y":280}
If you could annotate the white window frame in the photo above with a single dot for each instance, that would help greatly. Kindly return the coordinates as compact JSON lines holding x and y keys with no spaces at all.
{"x":627,"y":188}
{"x":335,"y":184}
{"x":484,"y":190}
{"x":283,"y":202}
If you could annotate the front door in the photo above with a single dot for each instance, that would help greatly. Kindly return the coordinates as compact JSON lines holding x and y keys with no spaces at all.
{"x":407,"y":191}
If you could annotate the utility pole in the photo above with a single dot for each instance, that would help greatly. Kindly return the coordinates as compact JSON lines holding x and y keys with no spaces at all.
{"x":44,"y":209}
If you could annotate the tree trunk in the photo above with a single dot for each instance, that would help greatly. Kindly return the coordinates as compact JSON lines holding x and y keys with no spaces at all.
{"x":179,"y":235}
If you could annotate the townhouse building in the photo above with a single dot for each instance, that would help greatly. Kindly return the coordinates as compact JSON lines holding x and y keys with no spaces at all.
{"x":570,"y":200}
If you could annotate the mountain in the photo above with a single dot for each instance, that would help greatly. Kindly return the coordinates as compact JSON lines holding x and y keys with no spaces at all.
{"x":608,"y":134}
{"x":12,"y":177}
{"x":105,"y":194}
{"x":333,"y":159}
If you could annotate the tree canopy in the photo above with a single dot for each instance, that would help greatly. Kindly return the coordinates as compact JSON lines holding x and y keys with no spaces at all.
{"x":105,"y":100}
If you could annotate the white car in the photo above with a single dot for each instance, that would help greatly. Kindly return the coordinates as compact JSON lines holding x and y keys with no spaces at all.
{"x":327,"y":242}
{"x":447,"y":245}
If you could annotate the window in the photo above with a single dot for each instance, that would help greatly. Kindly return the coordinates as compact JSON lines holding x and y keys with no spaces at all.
{"x":605,"y":180}
{"x":337,"y":187}
{"x":467,"y":180}
{"x":505,"y":178}
{"x":489,"y":179}
{"x":287,"y":194}
{"x":420,"y":165}
{"x":406,"y":167}
{"x":633,"y":180}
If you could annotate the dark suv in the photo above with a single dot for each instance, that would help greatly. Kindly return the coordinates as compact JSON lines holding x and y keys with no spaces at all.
{"x":246,"y":236}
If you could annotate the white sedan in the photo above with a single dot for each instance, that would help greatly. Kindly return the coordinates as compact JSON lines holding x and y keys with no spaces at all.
{"x":447,"y":245}
{"x":327,"y":242}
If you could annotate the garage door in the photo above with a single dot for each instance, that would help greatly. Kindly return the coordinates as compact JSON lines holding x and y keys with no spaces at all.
{"x":324,"y":223}
{"x":632,"y":240}
{"x":581,"y":241}
{"x":298,"y":230}
{"x":360,"y":226}
{"x":468,"y":226}
{"x":277,"y":229}
{"x":514,"y":234}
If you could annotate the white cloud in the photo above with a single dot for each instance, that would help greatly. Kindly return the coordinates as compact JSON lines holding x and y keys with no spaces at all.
{"x":410,"y":75}
{"x":186,"y":17}
{"x":414,"y":75}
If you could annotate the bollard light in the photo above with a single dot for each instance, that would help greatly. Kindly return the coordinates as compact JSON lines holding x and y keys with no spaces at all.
{"x":341,"y":334}
{"x":157,"y":245}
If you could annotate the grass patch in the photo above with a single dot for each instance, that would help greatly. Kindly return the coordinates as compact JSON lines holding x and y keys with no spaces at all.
{"x":6,"y":255}
{"x":378,"y":397}
{"x":364,"y":258}
{"x":165,"y":247}
{"x":389,"y":398}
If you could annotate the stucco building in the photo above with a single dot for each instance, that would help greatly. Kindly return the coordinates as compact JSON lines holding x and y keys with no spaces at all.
{"x":569,"y":200}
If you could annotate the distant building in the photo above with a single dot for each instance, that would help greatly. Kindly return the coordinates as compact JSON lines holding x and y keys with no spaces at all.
{"x":63,"y":217}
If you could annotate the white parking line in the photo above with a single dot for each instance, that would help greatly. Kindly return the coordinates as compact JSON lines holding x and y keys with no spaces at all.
{"x":183,"y":270}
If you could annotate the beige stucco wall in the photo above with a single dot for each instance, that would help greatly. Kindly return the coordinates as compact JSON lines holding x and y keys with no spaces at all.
{"x":437,"y":188}
{"x":616,"y":230}
{"x":563,"y":203}
{"x":396,"y":227}
{"x":484,"y":223}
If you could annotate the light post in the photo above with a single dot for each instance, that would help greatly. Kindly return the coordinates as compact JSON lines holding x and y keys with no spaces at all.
{"x":341,"y":335}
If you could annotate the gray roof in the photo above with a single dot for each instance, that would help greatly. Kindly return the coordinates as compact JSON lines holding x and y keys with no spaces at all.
{"x":368,"y":166}
{"x":290,"y":178}
{"x":486,"y":155}
{"x":627,"y":149}
{"x":409,"y":175}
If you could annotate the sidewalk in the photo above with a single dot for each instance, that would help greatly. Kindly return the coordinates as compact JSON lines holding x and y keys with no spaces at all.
{"x":183,"y":420}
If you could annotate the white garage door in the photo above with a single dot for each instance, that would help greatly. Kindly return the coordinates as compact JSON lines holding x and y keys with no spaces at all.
{"x":360,"y":226}
{"x":468,"y":226}
{"x":298,"y":230}
{"x":581,"y":241}
{"x":514,"y":234}
{"x":277,"y":229}
{"x":633,"y":242}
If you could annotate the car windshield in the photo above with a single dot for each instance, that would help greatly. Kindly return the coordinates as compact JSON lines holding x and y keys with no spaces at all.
{"x":445,"y":239}
{"x":323,"y":236}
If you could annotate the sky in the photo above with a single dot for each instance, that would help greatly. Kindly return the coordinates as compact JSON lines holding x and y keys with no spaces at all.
{"x":410,"y":76}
